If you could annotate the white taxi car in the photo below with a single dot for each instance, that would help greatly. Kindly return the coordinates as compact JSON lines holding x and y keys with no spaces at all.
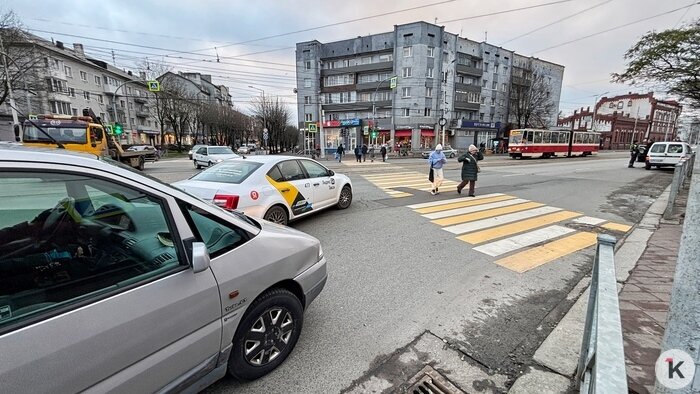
{"x":275,"y":188}
{"x":210,"y":155}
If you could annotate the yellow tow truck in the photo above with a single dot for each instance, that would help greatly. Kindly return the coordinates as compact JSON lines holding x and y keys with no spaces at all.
{"x":78,"y":133}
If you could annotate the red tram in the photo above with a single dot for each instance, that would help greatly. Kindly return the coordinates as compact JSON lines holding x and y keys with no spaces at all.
{"x":549,"y":143}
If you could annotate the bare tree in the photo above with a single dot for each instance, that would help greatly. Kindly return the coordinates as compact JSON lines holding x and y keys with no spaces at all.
{"x":531,"y":104}
{"x":157,"y":106}
{"x":179,"y":107}
{"x":24,"y":62}
{"x":274,"y":115}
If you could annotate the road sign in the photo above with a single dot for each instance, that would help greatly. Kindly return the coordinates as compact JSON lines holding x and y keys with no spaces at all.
{"x":313,"y":128}
{"x":393,"y":81}
{"x":154,"y":86}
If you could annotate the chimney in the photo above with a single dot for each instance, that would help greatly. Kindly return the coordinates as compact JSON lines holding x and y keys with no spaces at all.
{"x":142,"y":75}
{"x":575,"y":111}
{"x":78,"y":48}
{"x":59,"y":44}
{"x":130,"y":73}
{"x":588,"y":109}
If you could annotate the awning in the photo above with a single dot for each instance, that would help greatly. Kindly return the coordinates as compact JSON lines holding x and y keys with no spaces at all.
{"x":427,"y":133}
{"x":384,"y":131}
{"x":403,"y":133}
{"x":150,"y":132}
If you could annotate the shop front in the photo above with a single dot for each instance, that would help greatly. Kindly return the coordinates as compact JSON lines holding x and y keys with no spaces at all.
{"x":477,"y":133}
{"x":402,"y":140}
{"x":336,"y":132}
{"x":427,"y":136}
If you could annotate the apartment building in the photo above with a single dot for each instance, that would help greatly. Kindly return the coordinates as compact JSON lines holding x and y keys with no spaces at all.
{"x":628,"y":117}
{"x":443,"y":83}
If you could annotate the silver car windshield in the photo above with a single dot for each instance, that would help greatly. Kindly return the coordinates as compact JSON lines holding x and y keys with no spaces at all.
{"x":228,"y":172}
{"x":221,"y":150}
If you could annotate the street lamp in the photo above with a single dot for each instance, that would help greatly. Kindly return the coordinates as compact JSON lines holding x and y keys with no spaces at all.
{"x":264,"y":113}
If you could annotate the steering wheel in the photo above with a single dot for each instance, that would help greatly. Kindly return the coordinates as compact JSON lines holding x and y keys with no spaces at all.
{"x":64,"y":210}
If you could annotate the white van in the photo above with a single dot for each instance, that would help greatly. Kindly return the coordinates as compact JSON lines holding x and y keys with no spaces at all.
{"x":667,"y":154}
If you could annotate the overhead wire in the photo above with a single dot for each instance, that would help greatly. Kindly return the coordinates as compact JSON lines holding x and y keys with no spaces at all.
{"x":506,"y":11}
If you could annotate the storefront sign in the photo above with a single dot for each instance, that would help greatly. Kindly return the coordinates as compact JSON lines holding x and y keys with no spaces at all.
{"x":331,"y":123}
{"x":425,"y":126}
{"x":480,"y":125}
{"x":350,"y":122}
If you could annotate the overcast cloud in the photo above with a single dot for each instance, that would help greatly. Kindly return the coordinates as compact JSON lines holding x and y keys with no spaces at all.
{"x":200,"y":26}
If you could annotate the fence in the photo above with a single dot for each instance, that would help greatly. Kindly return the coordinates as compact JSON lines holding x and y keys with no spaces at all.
{"x":682,"y":173}
{"x":601,"y":366}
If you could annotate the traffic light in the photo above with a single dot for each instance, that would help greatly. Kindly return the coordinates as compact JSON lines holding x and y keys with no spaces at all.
{"x":118,"y":129}
{"x":374,"y":134}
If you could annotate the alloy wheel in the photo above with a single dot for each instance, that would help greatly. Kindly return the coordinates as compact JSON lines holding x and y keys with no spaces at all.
{"x":268,"y":337}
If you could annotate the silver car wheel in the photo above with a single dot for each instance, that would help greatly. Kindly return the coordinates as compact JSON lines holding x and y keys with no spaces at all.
{"x":268,"y":337}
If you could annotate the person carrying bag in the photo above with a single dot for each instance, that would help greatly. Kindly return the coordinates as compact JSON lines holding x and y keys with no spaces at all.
{"x":437,"y":159}
{"x":470,"y":169}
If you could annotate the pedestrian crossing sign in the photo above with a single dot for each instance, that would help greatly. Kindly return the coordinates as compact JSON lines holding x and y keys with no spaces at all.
{"x":393,"y":82}
{"x":154,"y":86}
{"x":312,"y":127}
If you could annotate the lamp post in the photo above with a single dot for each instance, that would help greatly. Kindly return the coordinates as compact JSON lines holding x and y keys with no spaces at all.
{"x":264,"y":105}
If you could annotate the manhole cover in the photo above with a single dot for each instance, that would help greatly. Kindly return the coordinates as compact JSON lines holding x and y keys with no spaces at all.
{"x":430,"y":381}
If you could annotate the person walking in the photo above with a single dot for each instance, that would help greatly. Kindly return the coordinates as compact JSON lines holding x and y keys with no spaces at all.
{"x":470,"y":169}
{"x":634,"y":150}
{"x":364,"y":152}
{"x":340,"y":152}
{"x":383,"y":152}
{"x":437,"y":159}
{"x":358,"y":154}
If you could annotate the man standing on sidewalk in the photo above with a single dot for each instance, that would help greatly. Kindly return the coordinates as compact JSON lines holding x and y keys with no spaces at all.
{"x":634,"y":150}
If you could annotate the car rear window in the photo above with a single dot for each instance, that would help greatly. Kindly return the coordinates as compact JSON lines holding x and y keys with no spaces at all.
{"x":675,"y":148}
{"x":658,"y":148}
{"x":228,"y":172}
{"x":221,"y":150}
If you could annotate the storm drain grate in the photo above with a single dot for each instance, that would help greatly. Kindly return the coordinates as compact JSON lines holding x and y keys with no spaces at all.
{"x":430,"y":381}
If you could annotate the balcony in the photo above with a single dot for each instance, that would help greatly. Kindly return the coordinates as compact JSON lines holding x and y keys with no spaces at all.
{"x":468,"y":70}
{"x":109,"y":89}
{"x":463,"y":87}
{"x":57,"y":74}
{"x":141,"y":99}
{"x":466,"y":106}
{"x":338,"y":89}
{"x":356,"y":106}
{"x":359,"y":68}
{"x":142,"y":113}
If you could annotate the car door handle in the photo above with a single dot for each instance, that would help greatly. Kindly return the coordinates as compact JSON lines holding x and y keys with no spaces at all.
{"x":284,"y":190}
{"x":316,"y":184}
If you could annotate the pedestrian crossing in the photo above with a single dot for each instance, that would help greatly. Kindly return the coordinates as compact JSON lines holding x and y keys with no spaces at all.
{"x":521,"y":234}
{"x":406,"y":180}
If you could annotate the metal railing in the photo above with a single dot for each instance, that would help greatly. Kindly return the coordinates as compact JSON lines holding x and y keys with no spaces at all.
{"x":601,"y":366}
{"x":682,"y":172}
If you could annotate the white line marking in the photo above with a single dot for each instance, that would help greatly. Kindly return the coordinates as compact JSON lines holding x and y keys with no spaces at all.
{"x":499,"y":220}
{"x":520,"y":241}
{"x":589,"y":220}
{"x":474,"y":208}
{"x":452,"y":200}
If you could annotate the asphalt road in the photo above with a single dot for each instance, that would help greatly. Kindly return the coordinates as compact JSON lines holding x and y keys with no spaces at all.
{"x":393,"y":274}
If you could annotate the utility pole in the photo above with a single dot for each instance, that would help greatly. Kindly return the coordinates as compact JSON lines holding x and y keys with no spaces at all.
{"x":8,"y":83}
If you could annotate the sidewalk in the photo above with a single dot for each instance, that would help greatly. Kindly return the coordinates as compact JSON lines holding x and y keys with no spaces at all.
{"x":644,"y":302}
{"x":645,"y":265}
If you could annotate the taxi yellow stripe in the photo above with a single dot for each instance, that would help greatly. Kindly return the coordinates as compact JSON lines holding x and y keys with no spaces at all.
{"x":517,"y":227}
{"x":533,"y":258}
{"x":617,"y":227}
{"x":463,"y":204}
{"x":486,"y":214}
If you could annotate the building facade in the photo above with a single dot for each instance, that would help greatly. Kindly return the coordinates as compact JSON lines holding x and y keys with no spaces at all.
{"x":447,"y":89}
{"x":626,"y":118}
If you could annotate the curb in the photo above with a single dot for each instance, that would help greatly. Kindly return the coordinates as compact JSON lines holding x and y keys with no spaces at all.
{"x":559,"y":352}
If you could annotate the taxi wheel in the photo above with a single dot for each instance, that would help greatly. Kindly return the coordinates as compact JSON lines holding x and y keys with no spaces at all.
{"x":345,"y":197}
{"x":277,"y":214}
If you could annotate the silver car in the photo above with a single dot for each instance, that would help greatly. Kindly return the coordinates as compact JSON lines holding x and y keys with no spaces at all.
{"x":113,"y":281}
{"x":210,"y":155}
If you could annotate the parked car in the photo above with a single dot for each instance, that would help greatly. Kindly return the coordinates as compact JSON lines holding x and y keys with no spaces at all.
{"x":275,"y":188}
{"x":243,"y":150}
{"x":194,"y":149}
{"x":152,"y":151}
{"x":113,"y":281}
{"x":448,"y":151}
{"x":210,"y":155}
{"x":666,"y":154}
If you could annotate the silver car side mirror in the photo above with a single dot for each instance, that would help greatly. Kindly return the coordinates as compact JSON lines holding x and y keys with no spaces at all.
{"x":200,"y":257}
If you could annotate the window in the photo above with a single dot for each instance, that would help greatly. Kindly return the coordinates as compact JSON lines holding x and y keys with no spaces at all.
{"x":71,"y":92}
{"x":83,"y":75}
{"x":483,"y":100}
{"x":629,"y":103}
{"x":505,"y":70}
{"x":54,"y":268}
{"x":314,"y":170}
{"x":430,"y":72}
{"x":407,"y":72}
{"x":493,"y":102}
{"x":495,"y":68}
{"x":307,"y":82}
{"x":339,"y":80}
{"x":612,"y":105}
{"x":406,"y":112}
{"x":620,"y":105}
{"x":220,"y":237}
{"x":502,"y":102}
{"x":86,"y":96}
{"x":431,"y":51}
{"x":386,"y":58}
{"x":426,"y":112}
{"x":122,"y":103}
{"x":75,"y":111}
{"x":346,"y":62}
{"x":428,"y":92}
{"x":308,"y":117}
{"x":367,"y":60}
{"x":406,"y":92}
{"x":481,"y":117}
{"x":503,"y":87}
{"x":131,"y":105}
{"x":98,"y":80}
{"x":486,"y":66}
{"x":494,"y":85}
{"x":407,"y":51}
{"x":131,"y":121}
{"x":484,"y":83}
{"x":69,"y":72}
{"x":307,"y":99}
{"x":290,"y":170}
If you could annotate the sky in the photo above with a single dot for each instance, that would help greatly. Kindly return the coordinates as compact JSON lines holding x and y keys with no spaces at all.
{"x":232,"y":40}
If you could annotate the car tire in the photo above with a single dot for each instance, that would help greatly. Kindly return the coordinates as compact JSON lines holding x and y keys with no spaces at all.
{"x":452,"y":155}
{"x":142,"y":162}
{"x":266,"y":326}
{"x":277,"y":214}
{"x":345,"y":197}
{"x":209,"y":164}
{"x":196,"y":165}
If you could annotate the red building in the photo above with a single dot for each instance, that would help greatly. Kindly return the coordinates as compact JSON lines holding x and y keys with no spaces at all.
{"x":623,"y":119}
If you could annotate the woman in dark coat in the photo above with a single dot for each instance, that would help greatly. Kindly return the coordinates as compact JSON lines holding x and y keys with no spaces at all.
{"x":469,"y":169}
